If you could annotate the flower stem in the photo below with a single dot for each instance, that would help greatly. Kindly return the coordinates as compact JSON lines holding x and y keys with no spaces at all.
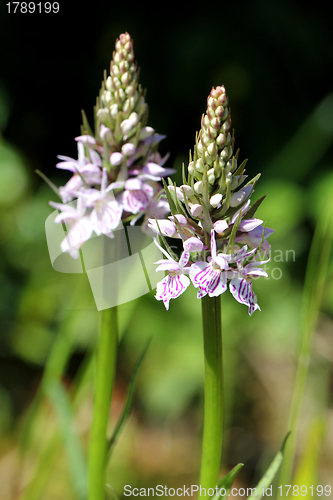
{"x":105,"y":373}
{"x":213,"y":405}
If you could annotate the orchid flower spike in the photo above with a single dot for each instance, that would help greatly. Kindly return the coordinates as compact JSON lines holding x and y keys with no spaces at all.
{"x":117,"y":176}
{"x":212,"y":214}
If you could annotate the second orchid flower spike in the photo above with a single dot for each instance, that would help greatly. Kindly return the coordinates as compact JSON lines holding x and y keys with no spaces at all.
{"x":117,"y":175}
{"x":213,"y":208}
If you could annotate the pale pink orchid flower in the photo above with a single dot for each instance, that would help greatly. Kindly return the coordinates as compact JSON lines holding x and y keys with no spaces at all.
{"x":85,"y":171}
{"x":106,"y":212}
{"x":211,"y":277}
{"x":176,"y":282}
{"x":79,"y":226}
{"x":136,"y":196}
{"x":240,"y":285}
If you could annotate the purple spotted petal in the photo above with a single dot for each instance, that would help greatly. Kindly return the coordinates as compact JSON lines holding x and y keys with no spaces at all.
{"x":106,"y":217}
{"x":207,"y":279}
{"x":212,"y":243}
{"x":79,"y":232}
{"x":171,"y":287}
{"x":184,"y":258}
{"x":241,"y":289}
{"x":134,"y":201}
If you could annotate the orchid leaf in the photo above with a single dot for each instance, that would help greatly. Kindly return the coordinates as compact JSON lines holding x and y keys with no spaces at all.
{"x":269,"y":475}
{"x":240,"y":168}
{"x":171,"y":202}
{"x":255,"y":207}
{"x":253,"y":181}
{"x":225,"y":483}
{"x":86,"y":127}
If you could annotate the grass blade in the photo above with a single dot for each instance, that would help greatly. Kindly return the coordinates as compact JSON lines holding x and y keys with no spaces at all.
{"x":269,"y":475}
{"x":225,"y":483}
{"x":62,"y":407}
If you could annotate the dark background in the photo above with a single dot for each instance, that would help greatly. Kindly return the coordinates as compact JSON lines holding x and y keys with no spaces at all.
{"x":275,"y":59}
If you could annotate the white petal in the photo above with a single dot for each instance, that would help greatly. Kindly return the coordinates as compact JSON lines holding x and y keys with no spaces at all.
{"x":193,"y":244}
{"x":80,"y":232}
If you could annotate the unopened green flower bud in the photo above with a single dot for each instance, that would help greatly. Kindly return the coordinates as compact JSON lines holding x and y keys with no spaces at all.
{"x":123,"y":67}
{"x":108,"y":83}
{"x":118,"y":58}
{"x":211,"y":104}
{"x":187,"y":190}
{"x":205,"y":139}
{"x":228,"y":167}
{"x":206,"y":121}
{"x":116,"y":82}
{"x":126,"y":78}
{"x":179,"y":193}
{"x":191,"y":168}
{"x":120,"y":95}
{"x":220,"y":140}
{"x":103,"y":114}
{"x":211,"y":176}
{"x":226,"y":126}
{"x":107,"y":97}
{"x":146,"y":132}
{"x":129,"y":123}
{"x":130,"y":89}
{"x":128,"y":105}
{"x":128,"y":46}
{"x":199,"y":165}
{"x":114,"y":110}
{"x":196,"y":210}
{"x":215,"y":123}
{"x":224,"y":153}
{"x":212,"y":150}
{"x":212,"y":133}
{"x":208,"y":159}
{"x":200,"y":148}
{"x":198,"y":187}
{"x":215,"y":200}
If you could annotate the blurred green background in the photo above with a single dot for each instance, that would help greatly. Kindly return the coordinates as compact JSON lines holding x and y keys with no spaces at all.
{"x":275,"y":59}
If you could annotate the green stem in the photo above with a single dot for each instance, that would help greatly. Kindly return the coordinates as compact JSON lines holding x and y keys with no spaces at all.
{"x":213,"y":406}
{"x":105,"y":373}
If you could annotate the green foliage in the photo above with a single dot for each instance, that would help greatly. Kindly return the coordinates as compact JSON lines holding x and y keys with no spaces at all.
{"x":289,"y":140}
{"x":225,"y":483}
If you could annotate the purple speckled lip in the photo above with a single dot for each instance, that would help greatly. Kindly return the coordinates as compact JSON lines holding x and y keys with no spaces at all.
{"x":202,"y":279}
{"x":243,"y":292}
{"x":209,"y":280}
